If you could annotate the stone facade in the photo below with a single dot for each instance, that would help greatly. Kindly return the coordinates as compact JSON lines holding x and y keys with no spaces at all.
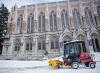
{"x":38,"y":29}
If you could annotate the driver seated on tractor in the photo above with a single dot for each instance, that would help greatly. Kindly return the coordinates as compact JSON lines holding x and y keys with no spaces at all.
{"x":73,"y":55}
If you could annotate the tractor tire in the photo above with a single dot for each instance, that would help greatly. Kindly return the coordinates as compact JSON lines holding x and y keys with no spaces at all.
{"x":92,"y":65}
{"x":87,"y":64}
{"x":75,"y":65}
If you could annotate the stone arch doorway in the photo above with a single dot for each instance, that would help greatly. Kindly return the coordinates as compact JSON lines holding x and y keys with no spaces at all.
{"x":83,"y":45}
{"x":28,"y":44}
{"x":54,"y":50}
{"x":54,"y":42}
{"x":41,"y":41}
{"x":96,"y":42}
{"x":64,"y":39}
{"x":17,"y":44}
{"x":67,"y":38}
{"x":17,"y":47}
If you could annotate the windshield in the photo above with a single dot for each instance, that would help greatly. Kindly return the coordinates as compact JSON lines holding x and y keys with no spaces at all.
{"x":72,"y":48}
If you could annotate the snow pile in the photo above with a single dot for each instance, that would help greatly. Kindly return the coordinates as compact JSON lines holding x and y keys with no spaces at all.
{"x":21,"y":64}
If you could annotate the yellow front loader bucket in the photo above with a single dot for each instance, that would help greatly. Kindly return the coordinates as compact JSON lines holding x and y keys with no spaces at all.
{"x":55,"y":64}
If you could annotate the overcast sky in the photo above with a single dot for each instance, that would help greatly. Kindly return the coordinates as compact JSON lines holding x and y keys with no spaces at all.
{"x":10,"y":3}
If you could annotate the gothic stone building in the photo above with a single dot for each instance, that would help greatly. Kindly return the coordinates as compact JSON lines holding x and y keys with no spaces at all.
{"x":38,"y":29}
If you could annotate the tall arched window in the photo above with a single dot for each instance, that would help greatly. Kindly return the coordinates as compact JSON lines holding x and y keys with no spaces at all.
{"x":41,"y":27}
{"x":30,"y":26}
{"x":53,"y":21}
{"x":89,"y":17}
{"x":77,"y":20}
{"x":29,"y":41}
{"x":19,"y":24}
{"x":64,"y":18}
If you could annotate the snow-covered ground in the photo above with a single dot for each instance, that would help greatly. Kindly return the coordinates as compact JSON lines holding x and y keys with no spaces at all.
{"x":11,"y":66}
{"x":97,"y":56}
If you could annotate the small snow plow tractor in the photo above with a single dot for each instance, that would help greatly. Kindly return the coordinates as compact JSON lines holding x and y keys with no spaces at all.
{"x":74,"y":54}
